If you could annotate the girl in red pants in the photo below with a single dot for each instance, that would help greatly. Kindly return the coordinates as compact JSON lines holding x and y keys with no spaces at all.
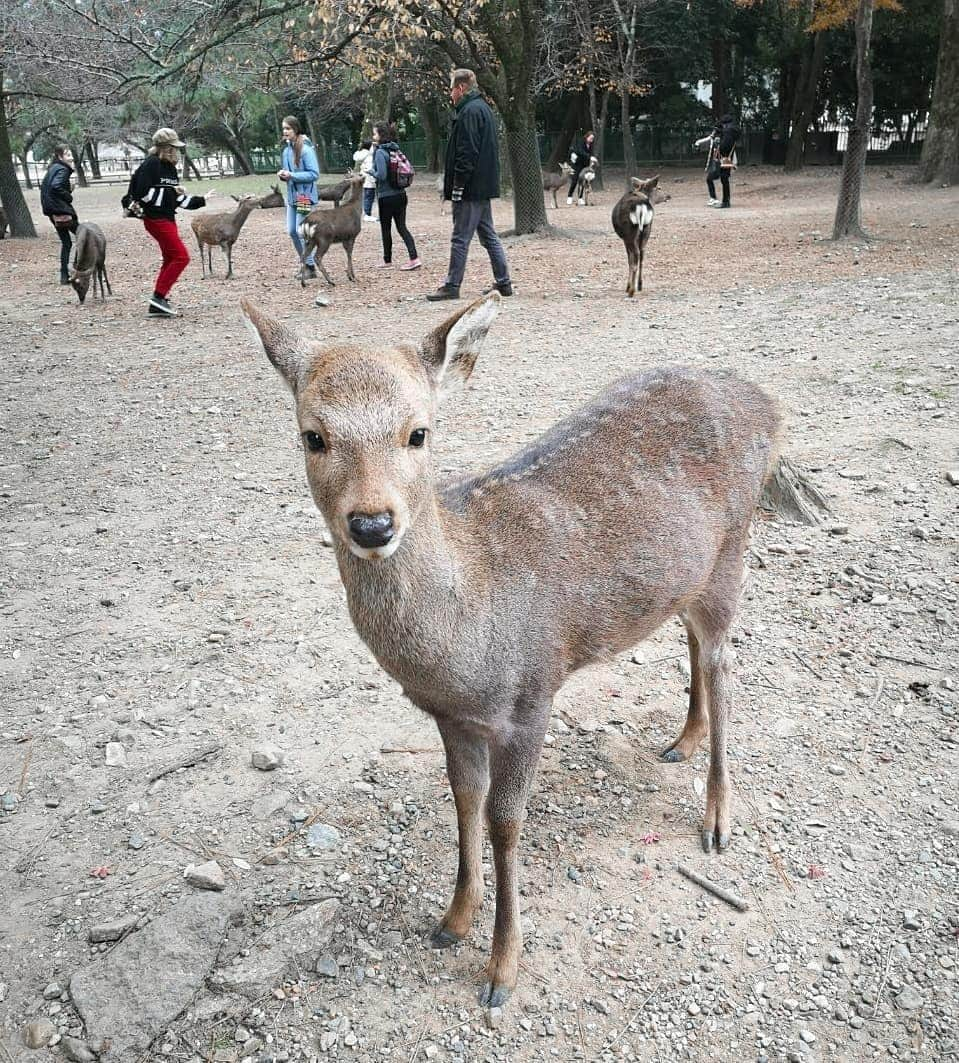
{"x":155,"y":193}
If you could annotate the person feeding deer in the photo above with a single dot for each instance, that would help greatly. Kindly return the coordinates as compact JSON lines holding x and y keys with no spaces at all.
{"x":579,"y":159}
{"x":394,"y":174}
{"x":299,"y":172}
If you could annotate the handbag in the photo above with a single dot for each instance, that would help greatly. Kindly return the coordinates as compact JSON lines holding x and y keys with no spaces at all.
{"x":726,"y":162}
{"x":62,"y":221}
{"x":713,"y":169}
{"x":302,"y":203}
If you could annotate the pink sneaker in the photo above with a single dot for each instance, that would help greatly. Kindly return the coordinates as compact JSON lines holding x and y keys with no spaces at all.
{"x":384,"y":265}
{"x":414,"y":263}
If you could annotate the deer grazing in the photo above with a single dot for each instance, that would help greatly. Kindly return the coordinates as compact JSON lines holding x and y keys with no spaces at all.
{"x":481,"y":595}
{"x":553,"y":182}
{"x":320,"y":229}
{"x":89,"y":261}
{"x":222,"y":230}
{"x":584,"y":183}
{"x":632,"y":223}
{"x":335,"y":193}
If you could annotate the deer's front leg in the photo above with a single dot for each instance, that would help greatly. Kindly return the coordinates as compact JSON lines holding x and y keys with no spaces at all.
{"x":511,"y":774}
{"x":467,"y":765}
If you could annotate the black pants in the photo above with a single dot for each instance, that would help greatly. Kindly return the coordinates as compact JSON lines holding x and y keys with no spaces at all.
{"x":574,"y":181}
{"x":65,"y":245}
{"x":711,"y":185}
{"x":393,"y":208}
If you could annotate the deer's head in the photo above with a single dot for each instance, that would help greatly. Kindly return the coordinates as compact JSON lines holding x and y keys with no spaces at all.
{"x":80,"y":281}
{"x":366,"y":418}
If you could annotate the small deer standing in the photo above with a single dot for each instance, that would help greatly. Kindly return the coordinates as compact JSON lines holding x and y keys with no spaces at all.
{"x":481,"y":596}
{"x":632,"y":223}
{"x":89,"y":261}
{"x":320,"y":229}
{"x":222,"y":230}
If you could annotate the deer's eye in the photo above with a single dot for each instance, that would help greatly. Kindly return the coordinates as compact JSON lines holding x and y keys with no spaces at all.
{"x":314,"y":442}
{"x":417,"y":437}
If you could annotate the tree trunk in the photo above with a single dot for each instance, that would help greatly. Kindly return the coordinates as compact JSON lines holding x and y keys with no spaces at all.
{"x":429,"y":117}
{"x":529,"y":205}
{"x":804,"y":100}
{"x":11,"y":194}
{"x":572,"y":121}
{"x":94,"y":157}
{"x":940,"y":151}
{"x":25,"y":163}
{"x":598,"y":122}
{"x":78,"y":167}
{"x":189,"y":164}
{"x":720,"y":50}
{"x":629,"y":148}
{"x":848,"y":209}
{"x":241,"y":158}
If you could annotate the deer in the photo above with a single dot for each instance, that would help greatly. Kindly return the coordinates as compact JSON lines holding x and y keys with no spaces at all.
{"x":222,"y":230}
{"x":632,"y":223}
{"x":320,"y":229}
{"x":584,"y":183}
{"x":273,"y":198}
{"x":481,"y":595}
{"x":553,"y":182}
{"x":335,"y":193}
{"x":89,"y":260}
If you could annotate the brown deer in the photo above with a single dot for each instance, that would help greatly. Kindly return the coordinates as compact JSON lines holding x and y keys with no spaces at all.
{"x":334,"y":193}
{"x":271,"y":199}
{"x":222,"y":230}
{"x":89,"y":261}
{"x":553,"y":182}
{"x":632,"y":223}
{"x":480,"y":596}
{"x":584,"y":183}
{"x":320,"y":229}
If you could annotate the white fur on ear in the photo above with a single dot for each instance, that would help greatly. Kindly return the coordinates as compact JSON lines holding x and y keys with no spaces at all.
{"x":465,"y":339}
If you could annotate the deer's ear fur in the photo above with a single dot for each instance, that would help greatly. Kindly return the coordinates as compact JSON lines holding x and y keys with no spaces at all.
{"x":449,"y":352}
{"x":280,"y":344}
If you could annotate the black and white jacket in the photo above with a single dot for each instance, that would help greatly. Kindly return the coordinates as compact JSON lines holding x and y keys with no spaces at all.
{"x":154,"y":186}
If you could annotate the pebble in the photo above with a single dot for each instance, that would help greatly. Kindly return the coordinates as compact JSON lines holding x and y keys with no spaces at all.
{"x":268,"y":758}
{"x":693,"y":1009}
{"x":38,"y":1034}
{"x":9,"y":802}
{"x":326,"y":967}
{"x":808,"y":1036}
{"x":494,"y":1017}
{"x":136,"y":841}
{"x":835,"y":956}
{"x":208,"y":876}
{"x":952,"y":476}
{"x":75,"y":1049}
{"x":322,"y":300}
{"x":909,"y":999}
{"x":910,"y":919}
{"x":52,"y":991}
{"x":116,"y":755}
{"x":113,"y":931}
{"x":324,"y":837}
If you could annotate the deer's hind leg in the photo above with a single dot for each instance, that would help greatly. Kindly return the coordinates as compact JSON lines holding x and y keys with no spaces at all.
{"x":104,"y":277}
{"x":348,"y":247}
{"x":467,"y":765}
{"x":697,"y":720}
{"x":321,"y":247}
{"x":630,"y":271}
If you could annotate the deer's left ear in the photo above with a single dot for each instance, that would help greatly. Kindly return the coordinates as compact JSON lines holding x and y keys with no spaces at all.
{"x":280,"y":344}
{"x":450,"y":351}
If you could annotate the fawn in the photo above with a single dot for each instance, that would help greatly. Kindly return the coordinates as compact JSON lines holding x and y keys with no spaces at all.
{"x":480,"y":596}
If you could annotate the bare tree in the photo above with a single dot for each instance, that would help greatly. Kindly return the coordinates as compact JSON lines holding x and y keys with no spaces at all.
{"x":848,"y":220}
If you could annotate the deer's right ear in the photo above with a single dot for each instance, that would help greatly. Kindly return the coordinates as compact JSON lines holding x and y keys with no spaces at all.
{"x":450,"y":351}
{"x":280,"y":344}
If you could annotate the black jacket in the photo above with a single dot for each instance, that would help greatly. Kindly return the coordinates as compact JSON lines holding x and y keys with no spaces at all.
{"x":154,"y":186}
{"x":728,"y":136}
{"x":583,"y":153}
{"x":472,"y":157}
{"x":55,"y":194}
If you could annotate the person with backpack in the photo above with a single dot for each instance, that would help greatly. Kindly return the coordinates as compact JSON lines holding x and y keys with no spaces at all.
{"x":470,"y":181}
{"x":393,"y":174}
{"x":579,"y":159}
{"x":300,"y":170}
{"x":155,"y":194}
{"x":721,"y":157}
{"x":56,"y":202}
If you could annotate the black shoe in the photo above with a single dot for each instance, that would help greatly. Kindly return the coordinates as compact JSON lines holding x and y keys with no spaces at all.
{"x":723,"y":206}
{"x":446,"y":292}
{"x":506,"y":288}
{"x":161,"y":307}
{"x":64,"y":279}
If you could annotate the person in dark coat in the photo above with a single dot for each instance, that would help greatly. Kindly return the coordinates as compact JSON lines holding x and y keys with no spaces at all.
{"x":579,"y":159}
{"x":721,"y":157}
{"x":56,"y":202}
{"x":471,"y":180}
{"x":392,"y":201}
{"x":155,"y":193}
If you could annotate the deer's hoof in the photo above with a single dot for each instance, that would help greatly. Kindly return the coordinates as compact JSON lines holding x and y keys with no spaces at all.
{"x":712,"y":839}
{"x":493,"y":995}
{"x":443,"y":938}
{"x":672,"y":756}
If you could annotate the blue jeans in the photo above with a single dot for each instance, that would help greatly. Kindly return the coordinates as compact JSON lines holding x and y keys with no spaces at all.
{"x":292,"y":220}
{"x":369,"y":198}
{"x":474,"y":216}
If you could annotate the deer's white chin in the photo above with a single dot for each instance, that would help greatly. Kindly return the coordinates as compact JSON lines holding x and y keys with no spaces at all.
{"x":378,"y":553}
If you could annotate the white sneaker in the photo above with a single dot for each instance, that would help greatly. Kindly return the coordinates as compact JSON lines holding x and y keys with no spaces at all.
{"x":581,"y":202}
{"x":711,"y":202}
{"x":569,"y":201}
{"x":368,"y":217}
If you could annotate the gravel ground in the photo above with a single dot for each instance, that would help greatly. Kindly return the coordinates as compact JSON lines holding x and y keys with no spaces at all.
{"x":167,"y":597}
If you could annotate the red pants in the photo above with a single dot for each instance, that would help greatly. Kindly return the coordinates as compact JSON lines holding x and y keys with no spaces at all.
{"x":176,"y":258}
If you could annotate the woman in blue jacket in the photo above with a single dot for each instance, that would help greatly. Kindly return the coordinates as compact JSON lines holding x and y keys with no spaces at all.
{"x":299,"y":173}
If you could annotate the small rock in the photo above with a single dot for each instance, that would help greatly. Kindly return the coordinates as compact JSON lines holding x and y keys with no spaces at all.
{"x":52,"y":991}
{"x":208,"y":876}
{"x":909,"y":999}
{"x":952,"y":476}
{"x":835,"y":956}
{"x":838,"y":529}
{"x":693,"y":1009}
{"x":910,"y":919}
{"x":807,"y":1036}
{"x":951,"y":827}
{"x":75,"y":1049}
{"x":327,"y":967}
{"x":9,"y":802}
{"x":104,"y":932}
{"x":494,"y":1017}
{"x":268,"y":758}
{"x":136,"y":841}
{"x":324,"y":837}
{"x":322,"y":300}
{"x":38,"y":1034}
{"x":242,"y":1035}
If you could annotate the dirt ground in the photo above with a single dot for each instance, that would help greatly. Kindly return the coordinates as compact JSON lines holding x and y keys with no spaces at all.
{"x":166,"y":594}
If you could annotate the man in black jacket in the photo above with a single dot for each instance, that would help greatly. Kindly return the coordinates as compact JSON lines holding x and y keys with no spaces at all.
{"x":471,"y":180}
{"x":56,"y":202}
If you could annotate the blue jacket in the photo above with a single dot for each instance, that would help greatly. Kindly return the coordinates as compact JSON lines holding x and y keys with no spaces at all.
{"x":303,"y":181}
{"x":381,"y":164}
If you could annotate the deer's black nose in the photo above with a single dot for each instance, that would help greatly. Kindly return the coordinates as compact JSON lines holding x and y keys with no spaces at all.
{"x":371,"y":530}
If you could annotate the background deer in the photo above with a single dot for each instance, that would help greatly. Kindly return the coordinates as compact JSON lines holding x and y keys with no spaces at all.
{"x":89,"y":261}
{"x":222,"y":230}
{"x":632,"y":223}
{"x":271,"y":199}
{"x":482,"y":595}
{"x":553,"y":182}
{"x":335,"y":193}
{"x":584,"y":184}
{"x":320,"y":229}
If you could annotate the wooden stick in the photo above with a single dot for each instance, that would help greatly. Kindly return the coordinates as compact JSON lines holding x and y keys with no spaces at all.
{"x":717,"y":891}
{"x":904,"y":660}
{"x":409,"y":749}
{"x":26,"y":768}
{"x":186,"y":761}
{"x":806,"y":664}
